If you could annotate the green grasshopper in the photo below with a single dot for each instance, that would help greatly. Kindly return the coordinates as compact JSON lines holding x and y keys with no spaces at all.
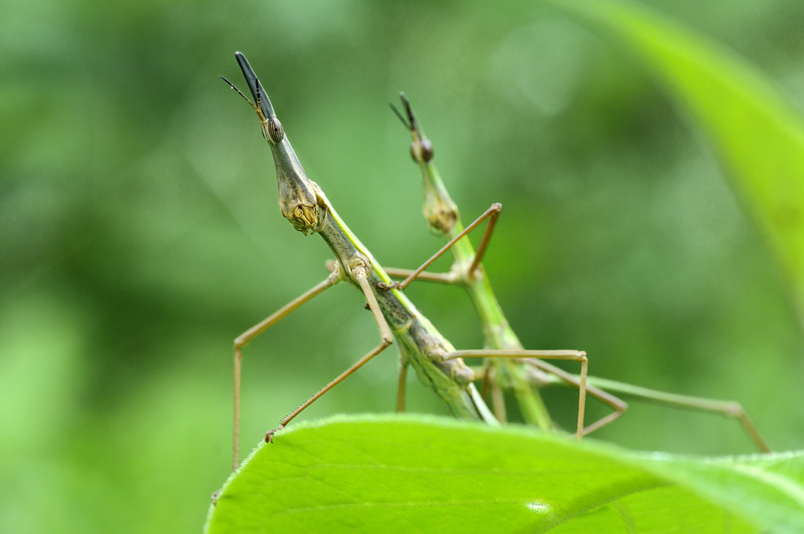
{"x":435,"y":360}
{"x":444,"y":219}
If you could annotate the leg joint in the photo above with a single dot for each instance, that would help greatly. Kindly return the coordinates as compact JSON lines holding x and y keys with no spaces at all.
{"x":734,"y":409}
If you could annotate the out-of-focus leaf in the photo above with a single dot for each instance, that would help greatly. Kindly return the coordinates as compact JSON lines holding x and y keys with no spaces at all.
{"x":758,"y":135}
{"x":415,"y":474}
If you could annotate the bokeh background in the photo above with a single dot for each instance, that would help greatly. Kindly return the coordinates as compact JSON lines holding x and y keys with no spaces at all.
{"x":140,"y":233}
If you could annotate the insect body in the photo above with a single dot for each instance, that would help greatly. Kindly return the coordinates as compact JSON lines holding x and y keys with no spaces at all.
{"x":443,"y":217}
{"x":436,"y":362}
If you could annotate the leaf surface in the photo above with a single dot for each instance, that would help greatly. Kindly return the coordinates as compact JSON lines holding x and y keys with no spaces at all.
{"x":425,"y":474}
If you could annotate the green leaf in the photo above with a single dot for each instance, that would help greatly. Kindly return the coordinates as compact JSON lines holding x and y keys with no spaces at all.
{"x":758,"y":135}
{"x":425,"y":474}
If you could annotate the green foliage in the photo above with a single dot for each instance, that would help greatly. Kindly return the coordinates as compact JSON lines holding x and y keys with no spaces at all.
{"x":758,"y":134}
{"x":140,"y":234}
{"x":423,"y":474}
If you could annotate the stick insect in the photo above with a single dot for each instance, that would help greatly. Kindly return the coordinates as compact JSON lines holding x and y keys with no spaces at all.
{"x":499,"y":375}
{"x":421,"y":346}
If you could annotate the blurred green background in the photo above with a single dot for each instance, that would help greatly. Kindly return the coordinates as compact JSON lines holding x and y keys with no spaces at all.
{"x":140,"y":231}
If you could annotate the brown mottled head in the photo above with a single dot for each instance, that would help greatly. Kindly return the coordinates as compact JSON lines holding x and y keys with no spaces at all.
{"x":439,"y":209}
{"x":298,"y":200}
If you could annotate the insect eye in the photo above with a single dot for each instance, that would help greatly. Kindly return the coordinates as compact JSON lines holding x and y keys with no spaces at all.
{"x":421,"y":151}
{"x":275,"y":130}
{"x":427,"y":150}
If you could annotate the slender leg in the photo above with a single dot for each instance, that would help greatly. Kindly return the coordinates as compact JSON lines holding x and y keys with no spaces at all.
{"x":486,"y":373}
{"x":615,"y":403}
{"x":572,"y":355}
{"x":490,"y":385}
{"x":400,"y":388}
{"x":725,"y":408}
{"x":442,"y":278}
{"x":258,"y":329}
{"x":498,"y":402}
{"x":493,"y":212}
{"x":484,"y":241}
{"x":386,"y":339}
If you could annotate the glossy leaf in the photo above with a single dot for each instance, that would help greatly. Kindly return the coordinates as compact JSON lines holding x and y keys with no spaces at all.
{"x":423,"y":474}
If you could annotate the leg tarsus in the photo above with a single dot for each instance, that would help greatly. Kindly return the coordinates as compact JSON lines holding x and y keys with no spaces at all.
{"x":582,"y":395}
{"x":386,"y":339}
{"x":739,"y":413}
{"x":340,"y":378}
{"x":603,"y":421}
{"x":269,"y":436}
